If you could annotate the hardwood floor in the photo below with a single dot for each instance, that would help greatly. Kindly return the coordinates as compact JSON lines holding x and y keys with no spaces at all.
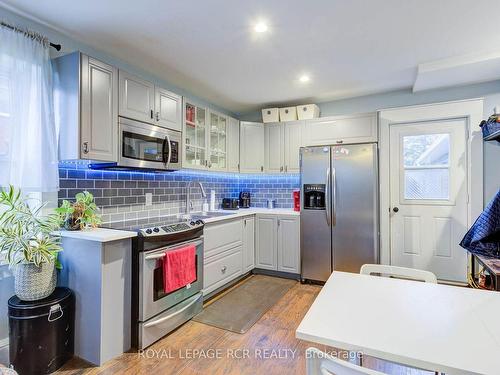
{"x":269,"y":347}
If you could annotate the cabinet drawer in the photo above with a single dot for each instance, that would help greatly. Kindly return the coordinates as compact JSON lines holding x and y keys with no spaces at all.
{"x":222,"y":236}
{"x":221,"y":271}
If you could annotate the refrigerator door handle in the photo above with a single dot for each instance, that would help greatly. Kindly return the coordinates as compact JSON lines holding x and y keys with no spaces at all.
{"x":334,"y":196}
{"x":327,"y":195}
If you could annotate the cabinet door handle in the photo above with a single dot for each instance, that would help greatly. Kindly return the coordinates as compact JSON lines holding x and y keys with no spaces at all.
{"x":286,"y":168}
{"x":151,"y":113}
{"x":262,"y":168}
{"x":279,"y":222}
{"x":85,"y":147}
{"x":157,"y":116}
{"x":281,"y":169}
{"x":340,"y":141}
{"x":223,"y":269}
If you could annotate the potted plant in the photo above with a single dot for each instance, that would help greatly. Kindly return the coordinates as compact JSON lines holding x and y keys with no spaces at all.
{"x":81,"y":214}
{"x":28,"y":245}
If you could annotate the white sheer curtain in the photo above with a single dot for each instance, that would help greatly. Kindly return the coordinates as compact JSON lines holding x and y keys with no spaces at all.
{"x":28,"y":136}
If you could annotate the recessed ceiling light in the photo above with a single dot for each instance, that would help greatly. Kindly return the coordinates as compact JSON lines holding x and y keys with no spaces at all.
{"x":260,"y":27}
{"x":304,"y":78}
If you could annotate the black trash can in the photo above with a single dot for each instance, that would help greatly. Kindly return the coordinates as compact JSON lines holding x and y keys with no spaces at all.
{"x":41,"y":333}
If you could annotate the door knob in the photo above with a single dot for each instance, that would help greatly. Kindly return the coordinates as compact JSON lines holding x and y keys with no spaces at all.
{"x":395,"y":209}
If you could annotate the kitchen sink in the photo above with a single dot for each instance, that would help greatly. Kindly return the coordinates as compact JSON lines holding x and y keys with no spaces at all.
{"x":204,"y":215}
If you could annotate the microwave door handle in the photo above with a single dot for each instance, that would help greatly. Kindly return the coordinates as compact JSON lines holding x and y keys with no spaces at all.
{"x":169,"y":149}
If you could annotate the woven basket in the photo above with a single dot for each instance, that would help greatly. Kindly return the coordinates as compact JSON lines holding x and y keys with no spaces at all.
{"x":32,"y":283}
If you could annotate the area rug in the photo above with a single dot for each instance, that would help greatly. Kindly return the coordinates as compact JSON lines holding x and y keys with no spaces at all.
{"x":240,"y":308}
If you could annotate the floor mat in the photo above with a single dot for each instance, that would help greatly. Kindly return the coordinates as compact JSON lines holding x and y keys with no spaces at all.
{"x":243,"y":306}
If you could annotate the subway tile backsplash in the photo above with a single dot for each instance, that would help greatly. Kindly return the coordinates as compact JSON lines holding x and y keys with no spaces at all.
{"x":121,"y":195}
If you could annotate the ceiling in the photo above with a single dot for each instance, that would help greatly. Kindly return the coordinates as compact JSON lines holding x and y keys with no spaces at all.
{"x":347,"y":47}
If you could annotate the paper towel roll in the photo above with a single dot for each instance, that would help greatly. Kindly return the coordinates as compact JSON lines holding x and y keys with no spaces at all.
{"x":212,"y":200}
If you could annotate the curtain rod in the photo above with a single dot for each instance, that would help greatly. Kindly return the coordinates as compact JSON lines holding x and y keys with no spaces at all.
{"x":57,"y":47}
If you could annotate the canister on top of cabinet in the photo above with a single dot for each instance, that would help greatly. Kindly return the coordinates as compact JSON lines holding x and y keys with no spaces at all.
{"x":307,"y":111}
{"x":288,"y":114}
{"x":270,"y":115}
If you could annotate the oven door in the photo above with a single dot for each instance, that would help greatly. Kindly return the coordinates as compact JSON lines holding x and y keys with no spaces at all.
{"x":147,"y":146}
{"x":153,"y":300}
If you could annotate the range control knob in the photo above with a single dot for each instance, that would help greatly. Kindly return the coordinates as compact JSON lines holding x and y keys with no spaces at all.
{"x":199,"y":222}
{"x":156,"y":229}
{"x":149,"y":231}
{"x":192,"y":223}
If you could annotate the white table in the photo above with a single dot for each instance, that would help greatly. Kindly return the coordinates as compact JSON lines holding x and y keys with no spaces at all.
{"x":436,"y":327}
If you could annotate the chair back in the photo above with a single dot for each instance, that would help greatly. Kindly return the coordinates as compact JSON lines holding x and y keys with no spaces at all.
{"x":321,"y":363}
{"x":400,"y":272}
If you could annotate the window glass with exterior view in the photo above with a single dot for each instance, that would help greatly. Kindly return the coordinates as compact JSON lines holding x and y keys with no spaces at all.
{"x":426,"y":161}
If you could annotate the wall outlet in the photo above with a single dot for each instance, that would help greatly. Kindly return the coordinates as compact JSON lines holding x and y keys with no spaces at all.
{"x":149,"y":199}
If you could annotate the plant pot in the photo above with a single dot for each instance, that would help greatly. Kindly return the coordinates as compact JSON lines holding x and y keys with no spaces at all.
{"x":32,"y":283}
{"x":71,"y":224}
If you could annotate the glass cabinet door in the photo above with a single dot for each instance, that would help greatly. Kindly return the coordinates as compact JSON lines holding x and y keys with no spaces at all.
{"x":218,"y":129}
{"x":195,"y":137}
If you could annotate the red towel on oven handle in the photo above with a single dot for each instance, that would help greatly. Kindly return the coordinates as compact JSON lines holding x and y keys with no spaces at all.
{"x":179,"y":268}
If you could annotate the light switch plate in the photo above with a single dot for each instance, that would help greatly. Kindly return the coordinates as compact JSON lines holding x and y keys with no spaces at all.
{"x":149,"y":199}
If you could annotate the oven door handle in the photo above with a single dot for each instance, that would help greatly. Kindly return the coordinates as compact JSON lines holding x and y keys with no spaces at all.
{"x":161,"y":320}
{"x":162,"y":254}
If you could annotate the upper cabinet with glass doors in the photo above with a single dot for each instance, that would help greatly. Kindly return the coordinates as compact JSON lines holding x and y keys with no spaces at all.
{"x":218,"y":142}
{"x":195,"y":137}
{"x":205,"y":138}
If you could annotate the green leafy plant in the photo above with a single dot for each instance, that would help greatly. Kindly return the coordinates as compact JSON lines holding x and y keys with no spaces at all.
{"x":82,"y":213}
{"x":25,"y":235}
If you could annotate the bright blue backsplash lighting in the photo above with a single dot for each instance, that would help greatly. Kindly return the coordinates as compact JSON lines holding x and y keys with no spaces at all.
{"x":122,"y":193}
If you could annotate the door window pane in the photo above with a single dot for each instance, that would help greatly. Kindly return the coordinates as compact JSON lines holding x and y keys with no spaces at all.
{"x":427,"y":183}
{"x":426,"y":160}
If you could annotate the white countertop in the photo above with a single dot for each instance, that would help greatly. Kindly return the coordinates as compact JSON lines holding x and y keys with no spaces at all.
{"x":242,"y":212}
{"x":442,"y":328}
{"x":108,"y":235}
{"x":97,"y":234}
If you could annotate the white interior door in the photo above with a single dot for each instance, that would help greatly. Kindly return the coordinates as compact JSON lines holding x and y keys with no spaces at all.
{"x":428,"y":182}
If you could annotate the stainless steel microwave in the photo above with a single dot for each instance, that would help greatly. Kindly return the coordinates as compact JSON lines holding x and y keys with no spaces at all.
{"x":147,"y":146}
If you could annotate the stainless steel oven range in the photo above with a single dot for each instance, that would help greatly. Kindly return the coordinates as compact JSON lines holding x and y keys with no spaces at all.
{"x":154,"y":312}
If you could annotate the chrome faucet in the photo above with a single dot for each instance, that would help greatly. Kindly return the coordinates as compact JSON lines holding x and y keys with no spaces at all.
{"x":189,"y":204}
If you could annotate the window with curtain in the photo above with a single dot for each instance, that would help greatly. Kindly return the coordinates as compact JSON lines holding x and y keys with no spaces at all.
{"x":28,"y":136}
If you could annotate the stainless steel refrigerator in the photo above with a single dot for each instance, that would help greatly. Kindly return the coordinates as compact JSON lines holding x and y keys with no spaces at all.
{"x":338,"y":209}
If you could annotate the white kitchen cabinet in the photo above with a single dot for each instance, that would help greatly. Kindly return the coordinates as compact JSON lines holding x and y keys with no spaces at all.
{"x":248,"y":256}
{"x":251,"y":147}
{"x":221,"y":269}
{"x":278,"y":243}
{"x":293,"y":133}
{"x":86,"y":107}
{"x":223,"y":249}
{"x":273,"y":148}
{"x":141,"y":100}
{"x":289,"y":244}
{"x":195,"y":137}
{"x":168,"y":109}
{"x":137,"y":98}
{"x":222,"y":236}
{"x":282,"y":143}
{"x":266,"y":252}
{"x":233,"y":145}
{"x":217,"y":141}
{"x":341,"y":129}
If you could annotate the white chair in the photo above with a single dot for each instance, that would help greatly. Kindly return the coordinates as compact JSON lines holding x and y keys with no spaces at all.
{"x":400,"y":272}
{"x":321,"y":363}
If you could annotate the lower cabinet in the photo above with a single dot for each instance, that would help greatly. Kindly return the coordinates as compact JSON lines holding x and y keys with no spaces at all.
{"x":221,"y":269}
{"x":234,"y":247}
{"x":278,"y":243}
{"x":248,"y":255}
